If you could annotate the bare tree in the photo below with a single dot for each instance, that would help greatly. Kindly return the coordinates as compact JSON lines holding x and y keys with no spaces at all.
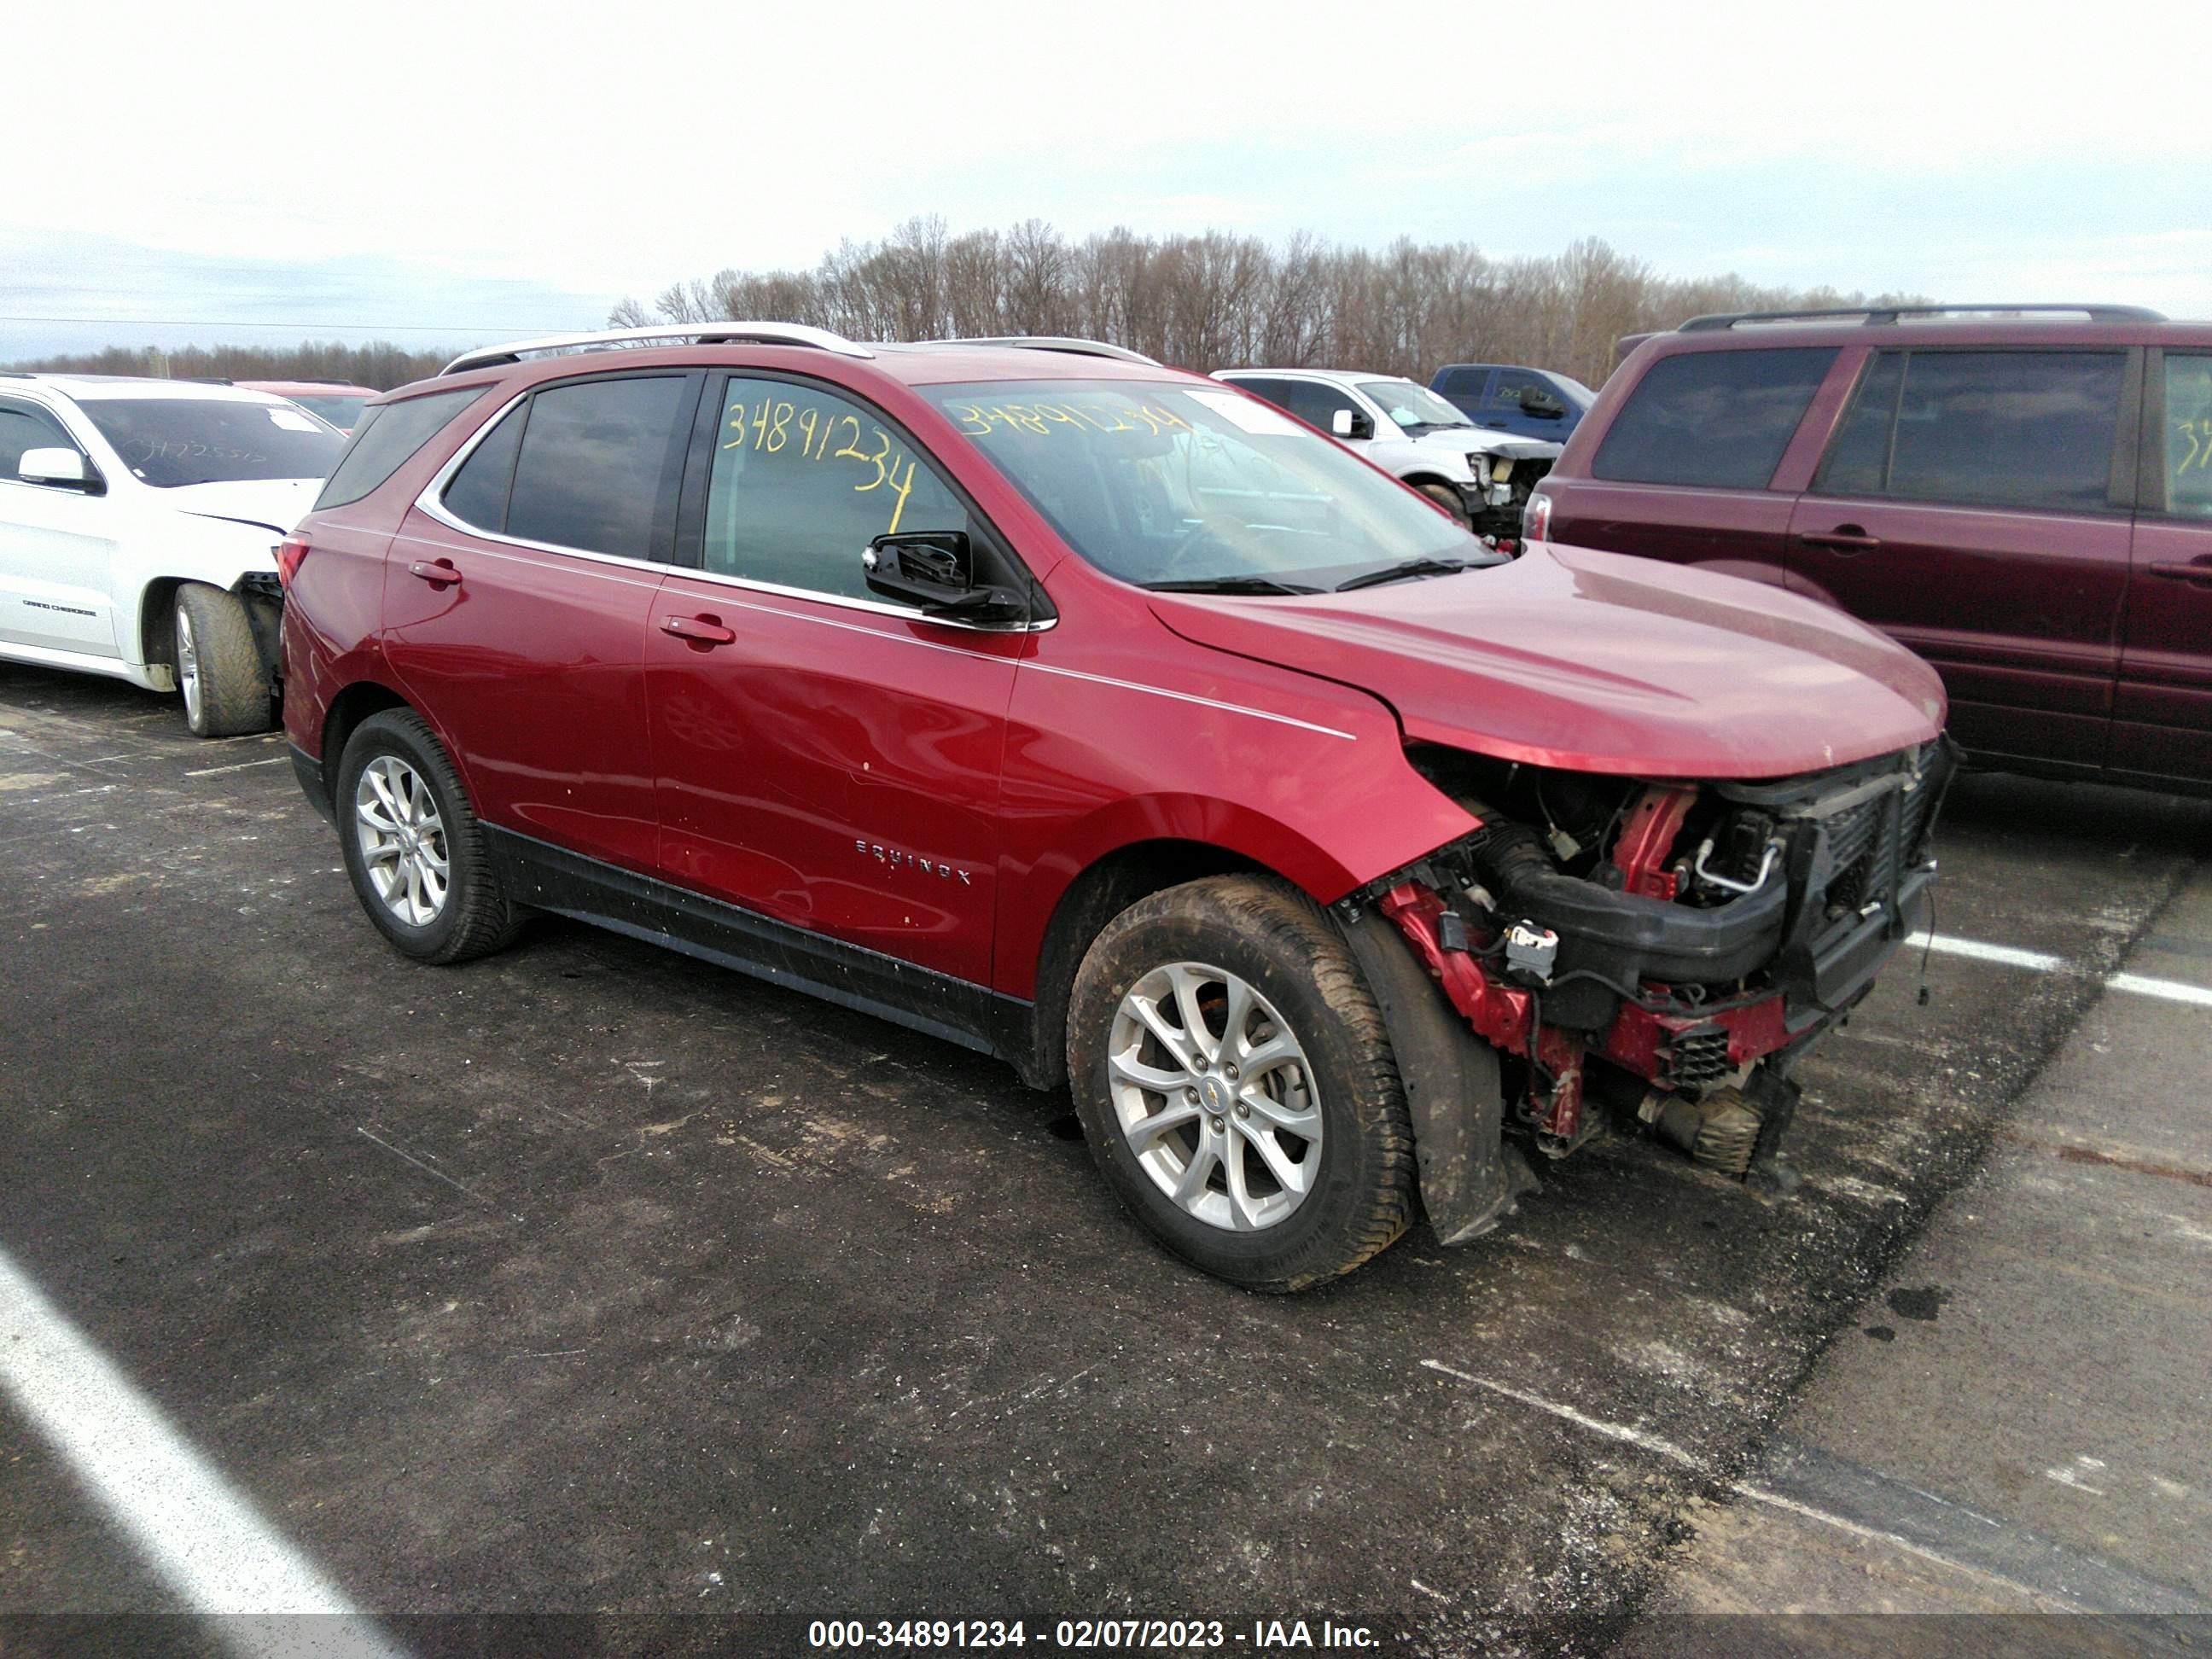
{"x":1217,"y":299}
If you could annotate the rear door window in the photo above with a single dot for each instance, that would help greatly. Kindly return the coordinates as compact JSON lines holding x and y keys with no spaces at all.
{"x":1277,"y":392}
{"x":803,"y":480}
{"x":388,"y":435}
{"x":1315,"y":401}
{"x":2031,"y":429}
{"x":2189,"y":436}
{"x":1720,"y":420}
{"x":596,"y":460}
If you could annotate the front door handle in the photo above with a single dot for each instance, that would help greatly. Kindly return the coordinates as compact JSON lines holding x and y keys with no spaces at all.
{"x":1845,"y":539}
{"x":699,"y":630}
{"x":2198,"y":574}
{"x":439,"y":572}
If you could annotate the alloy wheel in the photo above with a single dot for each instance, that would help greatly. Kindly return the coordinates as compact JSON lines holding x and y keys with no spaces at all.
{"x":402,"y":836}
{"x":1215,"y":1096}
{"x":188,"y":666}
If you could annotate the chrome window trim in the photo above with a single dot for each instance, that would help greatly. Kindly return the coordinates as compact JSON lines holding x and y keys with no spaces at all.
{"x":431,"y":502}
{"x":844,"y":602}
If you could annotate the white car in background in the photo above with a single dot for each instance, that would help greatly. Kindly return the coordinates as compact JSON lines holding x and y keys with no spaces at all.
{"x":138,"y":525}
{"x":1481,"y":478}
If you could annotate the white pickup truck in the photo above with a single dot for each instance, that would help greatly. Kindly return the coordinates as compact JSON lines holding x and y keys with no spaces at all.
{"x":1482,"y":478}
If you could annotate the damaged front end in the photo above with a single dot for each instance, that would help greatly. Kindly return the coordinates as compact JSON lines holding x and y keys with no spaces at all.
{"x":1660,"y":949}
{"x":1505,"y":475}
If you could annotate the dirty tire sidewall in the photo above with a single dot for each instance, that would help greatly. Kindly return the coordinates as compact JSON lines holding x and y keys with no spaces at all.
{"x":477,"y":917}
{"x":234,"y":682}
{"x":1275,"y":938}
{"x":1449,"y":499}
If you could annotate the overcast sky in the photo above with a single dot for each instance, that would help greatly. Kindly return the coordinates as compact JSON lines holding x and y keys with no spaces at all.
{"x":441,"y":175}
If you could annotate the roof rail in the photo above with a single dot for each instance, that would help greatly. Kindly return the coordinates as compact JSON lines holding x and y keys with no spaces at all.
{"x":1876,"y":315}
{"x":1051,"y":342}
{"x":697,"y":333}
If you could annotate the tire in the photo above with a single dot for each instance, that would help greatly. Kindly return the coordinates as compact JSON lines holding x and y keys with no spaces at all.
{"x":1334,"y":1114}
{"x":1449,"y":499}
{"x":219,"y":668}
{"x":413,"y":845}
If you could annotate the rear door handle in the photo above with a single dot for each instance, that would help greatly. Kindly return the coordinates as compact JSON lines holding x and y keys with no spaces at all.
{"x":699,"y":630}
{"x":439,"y":572}
{"x":1845,"y":539}
{"x":2195,"y":575}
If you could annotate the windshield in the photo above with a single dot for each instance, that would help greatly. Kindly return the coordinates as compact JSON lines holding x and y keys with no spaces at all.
{"x":1578,"y":394}
{"x":1166,"y":483}
{"x":170,"y":442}
{"x":340,"y":411}
{"x":1413,"y":406}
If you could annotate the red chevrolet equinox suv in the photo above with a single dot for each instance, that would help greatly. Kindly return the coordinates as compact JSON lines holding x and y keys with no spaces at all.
{"x":1100,"y":717}
{"x":2024,"y":499}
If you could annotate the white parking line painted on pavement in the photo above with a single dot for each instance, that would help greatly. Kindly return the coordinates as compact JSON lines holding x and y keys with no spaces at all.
{"x":201,"y":1537}
{"x":2006,"y":956}
{"x":2173,"y":990}
{"x":1944,"y":944}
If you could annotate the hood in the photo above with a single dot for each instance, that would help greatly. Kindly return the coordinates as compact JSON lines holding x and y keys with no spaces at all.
{"x":1598,"y":662}
{"x":1481,"y":441}
{"x":275,"y":504}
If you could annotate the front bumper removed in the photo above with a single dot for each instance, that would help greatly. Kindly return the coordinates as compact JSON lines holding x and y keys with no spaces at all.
{"x":1700,"y":1013}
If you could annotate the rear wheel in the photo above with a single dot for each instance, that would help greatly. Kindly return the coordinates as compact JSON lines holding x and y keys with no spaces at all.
{"x":219,"y":667}
{"x":414,"y":847}
{"x":1236,"y":1086}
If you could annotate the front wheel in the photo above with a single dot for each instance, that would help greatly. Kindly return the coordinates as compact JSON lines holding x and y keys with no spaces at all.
{"x":219,"y":667}
{"x":1449,"y":499}
{"x":1236,"y":1086}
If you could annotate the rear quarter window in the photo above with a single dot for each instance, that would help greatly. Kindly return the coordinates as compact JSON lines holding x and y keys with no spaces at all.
{"x":389,"y":433}
{"x":1716,"y":419}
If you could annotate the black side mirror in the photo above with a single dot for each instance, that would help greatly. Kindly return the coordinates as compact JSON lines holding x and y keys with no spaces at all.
{"x":935,"y":571}
{"x":1542,"y":404}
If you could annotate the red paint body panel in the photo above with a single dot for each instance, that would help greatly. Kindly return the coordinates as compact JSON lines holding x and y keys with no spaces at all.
{"x":534,"y":661}
{"x":834,"y":769}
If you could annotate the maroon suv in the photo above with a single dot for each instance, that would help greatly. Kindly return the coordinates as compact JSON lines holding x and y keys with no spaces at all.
{"x":2025,"y":500}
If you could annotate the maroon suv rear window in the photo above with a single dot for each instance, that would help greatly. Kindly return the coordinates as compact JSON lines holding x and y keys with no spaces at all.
{"x":1716,"y":419}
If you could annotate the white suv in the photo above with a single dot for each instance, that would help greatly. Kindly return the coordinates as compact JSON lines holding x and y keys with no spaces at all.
{"x":1482,"y":478}
{"x":139,"y":524}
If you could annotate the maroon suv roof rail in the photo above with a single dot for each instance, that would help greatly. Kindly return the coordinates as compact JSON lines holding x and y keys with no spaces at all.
{"x":1875,"y":315}
{"x":726,"y":333}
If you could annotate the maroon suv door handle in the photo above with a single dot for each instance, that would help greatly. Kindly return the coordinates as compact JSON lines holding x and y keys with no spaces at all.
{"x":439,"y":572}
{"x":1845,"y":539}
{"x":2197,"y":575}
{"x":699,"y":630}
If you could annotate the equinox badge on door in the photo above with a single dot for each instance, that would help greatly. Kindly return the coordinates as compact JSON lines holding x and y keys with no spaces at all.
{"x":892,"y":855}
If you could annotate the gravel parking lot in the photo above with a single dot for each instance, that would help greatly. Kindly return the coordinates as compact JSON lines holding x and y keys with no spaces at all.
{"x":590,"y":1279}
